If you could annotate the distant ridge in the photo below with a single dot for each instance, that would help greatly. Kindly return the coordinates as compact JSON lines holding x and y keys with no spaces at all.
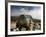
{"x":14,"y":18}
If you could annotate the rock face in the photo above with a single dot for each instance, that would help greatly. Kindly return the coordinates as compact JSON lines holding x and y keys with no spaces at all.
{"x":23,"y":21}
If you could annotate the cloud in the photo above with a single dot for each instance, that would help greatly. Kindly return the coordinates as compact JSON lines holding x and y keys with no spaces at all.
{"x":35,"y":12}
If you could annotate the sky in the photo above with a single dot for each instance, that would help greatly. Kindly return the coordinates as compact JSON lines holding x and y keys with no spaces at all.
{"x":34,"y":11}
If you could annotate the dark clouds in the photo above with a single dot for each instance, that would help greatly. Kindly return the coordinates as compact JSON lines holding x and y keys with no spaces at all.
{"x":29,"y":10}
